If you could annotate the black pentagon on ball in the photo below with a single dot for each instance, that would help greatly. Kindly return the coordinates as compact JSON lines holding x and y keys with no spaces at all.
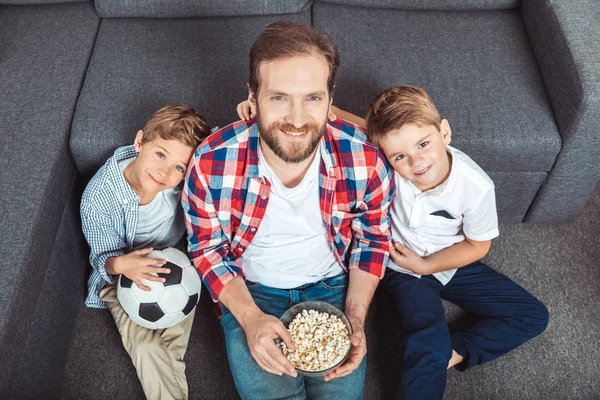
{"x":174,"y":278}
{"x":192,"y":301}
{"x":150,"y":312}
{"x":126,"y":282}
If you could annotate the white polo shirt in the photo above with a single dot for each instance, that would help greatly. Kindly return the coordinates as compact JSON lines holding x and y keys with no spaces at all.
{"x":291,"y":247}
{"x":463,"y":205}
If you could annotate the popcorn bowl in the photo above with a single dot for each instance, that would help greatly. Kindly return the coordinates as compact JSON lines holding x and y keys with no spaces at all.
{"x":321,"y":307}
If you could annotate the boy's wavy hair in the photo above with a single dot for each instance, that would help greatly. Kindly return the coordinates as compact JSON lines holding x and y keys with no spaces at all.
{"x":285,"y":39}
{"x":177,"y":122}
{"x":398,"y":106}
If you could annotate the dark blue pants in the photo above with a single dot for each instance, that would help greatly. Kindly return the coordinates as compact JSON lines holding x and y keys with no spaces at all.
{"x":506,"y":316}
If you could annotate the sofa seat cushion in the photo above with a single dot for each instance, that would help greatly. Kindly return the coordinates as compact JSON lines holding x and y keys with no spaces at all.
{"x":140,"y":65}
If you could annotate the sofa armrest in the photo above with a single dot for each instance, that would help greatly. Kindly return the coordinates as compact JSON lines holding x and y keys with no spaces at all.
{"x":565,"y":38}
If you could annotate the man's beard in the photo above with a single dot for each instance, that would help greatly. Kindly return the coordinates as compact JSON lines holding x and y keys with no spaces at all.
{"x":294,"y":152}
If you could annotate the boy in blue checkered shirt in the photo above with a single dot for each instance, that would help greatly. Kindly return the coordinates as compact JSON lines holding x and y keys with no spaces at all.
{"x":130,"y":206}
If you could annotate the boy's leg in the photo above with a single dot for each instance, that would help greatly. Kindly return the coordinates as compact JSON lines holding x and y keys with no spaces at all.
{"x":508,"y":314}
{"x":251,"y":381}
{"x":149,"y":353}
{"x":428,"y":346}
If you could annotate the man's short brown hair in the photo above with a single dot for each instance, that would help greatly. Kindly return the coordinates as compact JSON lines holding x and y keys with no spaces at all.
{"x":398,"y":106}
{"x":177,"y":122}
{"x":285,"y":39}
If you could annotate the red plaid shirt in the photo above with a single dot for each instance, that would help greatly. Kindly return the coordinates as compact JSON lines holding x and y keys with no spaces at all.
{"x":225,"y":198}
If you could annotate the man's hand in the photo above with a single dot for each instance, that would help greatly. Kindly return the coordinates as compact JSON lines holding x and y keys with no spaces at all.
{"x":261,"y":330}
{"x":246,"y":110}
{"x":136,"y":267}
{"x":406,"y":258}
{"x":357,"y":351}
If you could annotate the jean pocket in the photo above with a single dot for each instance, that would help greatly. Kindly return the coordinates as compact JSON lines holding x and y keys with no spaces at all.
{"x":338,"y":282}
{"x":252,"y":285}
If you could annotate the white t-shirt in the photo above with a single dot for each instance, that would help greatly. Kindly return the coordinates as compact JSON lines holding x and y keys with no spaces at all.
{"x":161,"y":222}
{"x":291,"y":247}
{"x":463,"y":205}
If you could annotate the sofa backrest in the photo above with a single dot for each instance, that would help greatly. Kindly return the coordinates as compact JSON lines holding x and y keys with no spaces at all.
{"x":197,"y":8}
{"x":432,"y":4}
{"x":33,"y":2}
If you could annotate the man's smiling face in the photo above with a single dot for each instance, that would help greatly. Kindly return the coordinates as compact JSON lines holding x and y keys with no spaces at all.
{"x":292,"y":105}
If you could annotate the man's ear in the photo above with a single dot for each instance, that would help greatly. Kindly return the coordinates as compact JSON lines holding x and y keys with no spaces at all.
{"x":137,"y":143}
{"x":446,"y":131}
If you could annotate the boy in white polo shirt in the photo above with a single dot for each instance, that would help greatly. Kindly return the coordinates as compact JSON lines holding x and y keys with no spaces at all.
{"x":443,"y":220}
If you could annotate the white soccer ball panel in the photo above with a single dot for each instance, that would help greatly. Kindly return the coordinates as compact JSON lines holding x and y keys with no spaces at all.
{"x":157,"y":254}
{"x":169,"y":320}
{"x":128,"y":301}
{"x":175,"y":256}
{"x":191,"y":280}
{"x":173,"y":299}
{"x":148,"y":297}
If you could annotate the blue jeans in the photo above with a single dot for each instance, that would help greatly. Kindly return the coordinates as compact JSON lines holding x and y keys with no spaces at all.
{"x":506,"y":316}
{"x":253,"y":382}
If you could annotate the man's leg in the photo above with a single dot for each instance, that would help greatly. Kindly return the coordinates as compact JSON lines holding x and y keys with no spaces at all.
{"x":251,"y":381}
{"x":428,"y":346}
{"x":333,"y":291}
{"x":508,"y":314}
{"x":150,"y":354}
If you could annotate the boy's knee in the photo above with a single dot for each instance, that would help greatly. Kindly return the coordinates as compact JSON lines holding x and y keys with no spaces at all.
{"x":541,"y":317}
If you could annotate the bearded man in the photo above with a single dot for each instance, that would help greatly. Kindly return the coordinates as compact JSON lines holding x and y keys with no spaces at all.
{"x":286,"y":208}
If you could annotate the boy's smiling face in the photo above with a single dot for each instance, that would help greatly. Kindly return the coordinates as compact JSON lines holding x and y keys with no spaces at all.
{"x":161,"y":164}
{"x":418,"y":153}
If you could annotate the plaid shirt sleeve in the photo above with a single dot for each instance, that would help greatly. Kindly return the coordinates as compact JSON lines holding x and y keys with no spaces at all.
{"x":209,"y":247}
{"x":371,"y":239}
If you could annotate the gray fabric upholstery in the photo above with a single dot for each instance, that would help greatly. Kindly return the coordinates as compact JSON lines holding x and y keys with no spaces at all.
{"x":566,"y":42}
{"x":130,"y":77}
{"x":514,"y":192}
{"x":476,"y":66}
{"x":432,"y":4}
{"x":43,"y":55}
{"x":197,"y":8}
{"x":34,"y":2}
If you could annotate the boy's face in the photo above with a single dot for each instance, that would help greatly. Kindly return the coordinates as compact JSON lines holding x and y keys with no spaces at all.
{"x":418,"y":153}
{"x":161,"y":164}
{"x":292,"y":105}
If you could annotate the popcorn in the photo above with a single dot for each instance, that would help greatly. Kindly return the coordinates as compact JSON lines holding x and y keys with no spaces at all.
{"x":322,"y":340}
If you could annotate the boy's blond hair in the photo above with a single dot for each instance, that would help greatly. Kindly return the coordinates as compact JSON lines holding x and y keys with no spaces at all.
{"x":177,"y":122}
{"x":398,"y":106}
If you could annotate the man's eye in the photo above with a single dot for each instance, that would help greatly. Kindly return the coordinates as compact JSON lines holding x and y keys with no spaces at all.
{"x":277,"y":98}
{"x":423,"y":144}
{"x":160,"y":155}
{"x":314,"y":98}
{"x":400,"y":157}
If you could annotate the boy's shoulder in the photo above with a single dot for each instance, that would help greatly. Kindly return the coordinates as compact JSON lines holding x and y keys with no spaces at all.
{"x":108,"y":186}
{"x":469,"y":175}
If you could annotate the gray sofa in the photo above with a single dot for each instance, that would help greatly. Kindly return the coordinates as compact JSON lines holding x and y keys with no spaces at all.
{"x":519,"y":81}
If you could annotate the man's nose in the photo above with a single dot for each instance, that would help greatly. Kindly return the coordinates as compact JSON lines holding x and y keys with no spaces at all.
{"x":296,"y":115}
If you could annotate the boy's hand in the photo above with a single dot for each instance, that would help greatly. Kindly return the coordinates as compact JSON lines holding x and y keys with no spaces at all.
{"x":136,"y":266}
{"x":406,"y":258}
{"x":246,"y":110}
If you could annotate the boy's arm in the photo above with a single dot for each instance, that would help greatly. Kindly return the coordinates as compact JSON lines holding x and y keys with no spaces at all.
{"x":348,"y":116}
{"x":455,"y":256}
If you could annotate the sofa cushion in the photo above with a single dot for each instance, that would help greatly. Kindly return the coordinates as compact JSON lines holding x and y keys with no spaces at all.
{"x":198,"y":8}
{"x":34,"y":2}
{"x":43,"y":55}
{"x":432,"y":4}
{"x":140,"y":65}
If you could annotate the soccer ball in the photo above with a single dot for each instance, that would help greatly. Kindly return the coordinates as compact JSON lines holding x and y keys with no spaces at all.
{"x":167,"y":303}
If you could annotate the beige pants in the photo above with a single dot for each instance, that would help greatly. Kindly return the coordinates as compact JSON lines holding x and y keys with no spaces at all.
{"x":156,"y":354}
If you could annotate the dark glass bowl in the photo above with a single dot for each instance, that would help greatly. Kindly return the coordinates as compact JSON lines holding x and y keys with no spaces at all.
{"x":319,"y":306}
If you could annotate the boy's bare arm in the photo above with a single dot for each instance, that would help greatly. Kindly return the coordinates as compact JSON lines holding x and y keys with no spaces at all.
{"x":455,"y":256}
{"x":348,"y":116}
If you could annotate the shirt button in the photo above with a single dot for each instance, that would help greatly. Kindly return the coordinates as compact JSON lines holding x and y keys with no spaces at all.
{"x":253,"y":229}
{"x":263,"y":197}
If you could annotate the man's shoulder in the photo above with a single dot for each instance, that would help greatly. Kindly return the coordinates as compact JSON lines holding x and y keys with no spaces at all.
{"x":349,"y":138}
{"x":232,"y":136}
